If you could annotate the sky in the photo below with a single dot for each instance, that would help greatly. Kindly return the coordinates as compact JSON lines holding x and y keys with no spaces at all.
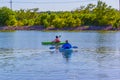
{"x":54,"y":5}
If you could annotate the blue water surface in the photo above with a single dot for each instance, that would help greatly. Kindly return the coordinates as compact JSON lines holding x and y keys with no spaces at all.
{"x":23,"y":57}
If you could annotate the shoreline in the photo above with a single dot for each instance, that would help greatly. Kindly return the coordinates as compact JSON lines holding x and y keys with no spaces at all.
{"x":41,"y":28}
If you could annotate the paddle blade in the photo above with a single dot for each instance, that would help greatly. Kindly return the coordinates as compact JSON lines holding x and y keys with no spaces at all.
{"x":59,"y":36}
{"x":74,"y":47}
{"x":52,"y":48}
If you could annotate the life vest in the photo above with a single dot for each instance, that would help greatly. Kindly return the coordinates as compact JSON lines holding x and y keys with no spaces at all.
{"x":66,"y":46}
{"x":57,"y":40}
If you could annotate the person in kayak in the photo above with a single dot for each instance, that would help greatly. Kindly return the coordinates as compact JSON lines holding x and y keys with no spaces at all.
{"x":57,"y":40}
{"x":67,"y":45}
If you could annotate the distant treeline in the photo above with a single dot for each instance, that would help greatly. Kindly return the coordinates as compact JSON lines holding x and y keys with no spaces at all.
{"x":91,"y":15}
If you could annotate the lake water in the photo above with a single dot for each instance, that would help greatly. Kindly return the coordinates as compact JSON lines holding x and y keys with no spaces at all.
{"x":22,"y":57}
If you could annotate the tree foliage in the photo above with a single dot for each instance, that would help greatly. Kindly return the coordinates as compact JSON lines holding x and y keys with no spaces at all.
{"x":91,"y":15}
{"x":5,"y":15}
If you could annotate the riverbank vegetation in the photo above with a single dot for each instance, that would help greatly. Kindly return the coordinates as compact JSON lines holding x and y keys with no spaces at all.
{"x":98,"y":16}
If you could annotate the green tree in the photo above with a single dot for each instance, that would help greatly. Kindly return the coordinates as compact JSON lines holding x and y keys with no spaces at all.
{"x":116,"y":24}
{"x":11,"y":21}
{"x":101,"y":11}
{"x":45,"y":23}
{"x":58,"y":23}
{"x":5,"y":14}
{"x":43,"y":17}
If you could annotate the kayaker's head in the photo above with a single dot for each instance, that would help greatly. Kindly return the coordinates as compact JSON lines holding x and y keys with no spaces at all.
{"x":66,"y":41}
{"x":56,"y":36}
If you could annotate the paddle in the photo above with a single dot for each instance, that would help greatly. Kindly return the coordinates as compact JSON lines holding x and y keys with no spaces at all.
{"x":52,"y":47}
{"x":74,"y":47}
{"x":59,"y":36}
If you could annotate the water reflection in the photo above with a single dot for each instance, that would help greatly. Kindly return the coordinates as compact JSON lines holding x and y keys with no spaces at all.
{"x":66,"y":53}
{"x":106,"y":48}
{"x":7,"y":59}
{"x":67,"y":56}
{"x":105,"y":42}
{"x":96,"y":58}
{"x":7,"y":39}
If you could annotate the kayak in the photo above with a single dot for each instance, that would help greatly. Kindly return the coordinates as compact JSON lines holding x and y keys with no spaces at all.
{"x":66,"y":50}
{"x":52,"y":43}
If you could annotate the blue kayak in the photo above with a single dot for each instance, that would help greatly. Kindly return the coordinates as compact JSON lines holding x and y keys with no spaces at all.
{"x":66,"y":50}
